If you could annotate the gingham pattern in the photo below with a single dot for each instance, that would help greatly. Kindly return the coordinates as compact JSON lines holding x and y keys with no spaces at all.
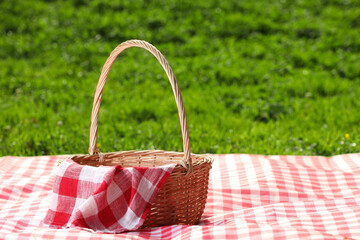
{"x":104,"y":199}
{"x":257,"y":197}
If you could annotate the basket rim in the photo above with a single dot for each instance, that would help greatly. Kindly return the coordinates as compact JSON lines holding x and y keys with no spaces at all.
{"x":106,"y":159}
{"x":110,"y":155}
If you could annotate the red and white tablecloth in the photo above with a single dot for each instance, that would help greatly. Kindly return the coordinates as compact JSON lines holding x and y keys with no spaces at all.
{"x":250,"y":196}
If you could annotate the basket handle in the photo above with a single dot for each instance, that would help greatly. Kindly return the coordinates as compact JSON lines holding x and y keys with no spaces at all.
{"x":178,"y":98}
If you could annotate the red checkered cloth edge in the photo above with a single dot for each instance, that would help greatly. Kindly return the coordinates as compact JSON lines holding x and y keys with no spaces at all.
{"x":250,"y":196}
{"x":104,"y":199}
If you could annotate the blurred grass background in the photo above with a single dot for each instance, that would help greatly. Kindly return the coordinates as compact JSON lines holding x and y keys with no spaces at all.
{"x":262,"y":77}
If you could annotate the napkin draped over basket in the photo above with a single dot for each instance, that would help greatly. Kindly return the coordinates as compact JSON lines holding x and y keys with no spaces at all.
{"x":175,"y":183}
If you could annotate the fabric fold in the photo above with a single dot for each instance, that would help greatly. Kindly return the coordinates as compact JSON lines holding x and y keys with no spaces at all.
{"x":104,"y":199}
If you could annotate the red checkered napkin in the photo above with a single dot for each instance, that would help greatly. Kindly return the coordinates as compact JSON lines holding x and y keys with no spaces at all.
{"x":104,"y":199}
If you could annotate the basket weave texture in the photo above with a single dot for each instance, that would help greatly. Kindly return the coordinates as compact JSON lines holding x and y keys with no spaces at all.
{"x":182,"y":198}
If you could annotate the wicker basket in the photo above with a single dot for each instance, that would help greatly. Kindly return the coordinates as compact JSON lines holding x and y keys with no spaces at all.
{"x":182,"y":198}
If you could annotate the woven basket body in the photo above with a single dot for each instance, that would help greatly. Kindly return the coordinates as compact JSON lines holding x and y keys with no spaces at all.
{"x":182,"y":198}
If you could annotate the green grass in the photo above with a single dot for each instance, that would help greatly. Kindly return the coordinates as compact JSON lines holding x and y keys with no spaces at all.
{"x":278,"y":77}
